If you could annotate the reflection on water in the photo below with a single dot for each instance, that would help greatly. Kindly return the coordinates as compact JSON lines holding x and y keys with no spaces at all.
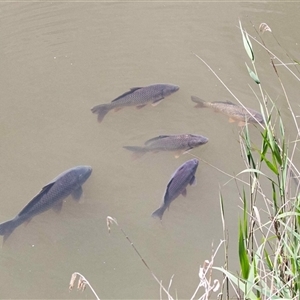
{"x":61,"y":59}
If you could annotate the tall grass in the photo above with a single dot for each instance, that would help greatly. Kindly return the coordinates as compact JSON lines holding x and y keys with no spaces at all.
{"x":269,"y":226}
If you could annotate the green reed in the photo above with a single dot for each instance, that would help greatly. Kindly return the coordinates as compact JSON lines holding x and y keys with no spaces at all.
{"x":269,"y":226}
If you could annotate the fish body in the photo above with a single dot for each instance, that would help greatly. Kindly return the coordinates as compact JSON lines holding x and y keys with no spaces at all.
{"x":183,"y":176}
{"x":137,"y":96}
{"x":180,"y":143}
{"x":236,"y":113}
{"x":51,"y":196}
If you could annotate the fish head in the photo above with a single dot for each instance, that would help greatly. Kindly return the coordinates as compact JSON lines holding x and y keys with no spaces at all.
{"x":260,"y":119}
{"x":83,"y":173}
{"x":192,"y":165}
{"x":168,"y":89}
{"x":189,"y":168}
{"x":196,"y":140}
{"x":194,"y":162}
{"x":256,"y":117}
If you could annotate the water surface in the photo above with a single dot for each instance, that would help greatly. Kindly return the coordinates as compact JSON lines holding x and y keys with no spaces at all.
{"x":58,"y":60}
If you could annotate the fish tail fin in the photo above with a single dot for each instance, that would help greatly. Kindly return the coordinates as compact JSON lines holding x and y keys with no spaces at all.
{"x":101,"y":110}
{"x":137,"y":151}
{"x":7,"y":228}
{"x":200,"y":103}
{"x":159,"y":212}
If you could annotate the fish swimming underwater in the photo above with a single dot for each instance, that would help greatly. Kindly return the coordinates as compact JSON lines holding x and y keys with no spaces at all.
{"x":180,"y":144}
{"x":51,"y":196}
{"x":183,"y":176}
{"x":137,"y":96}
{"x":236,"y":113}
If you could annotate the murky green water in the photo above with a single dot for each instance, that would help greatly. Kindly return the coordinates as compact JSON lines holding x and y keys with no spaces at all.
{"x":60,"y":59}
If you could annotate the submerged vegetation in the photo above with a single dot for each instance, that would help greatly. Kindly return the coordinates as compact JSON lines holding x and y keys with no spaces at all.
{"x":269,"y":226}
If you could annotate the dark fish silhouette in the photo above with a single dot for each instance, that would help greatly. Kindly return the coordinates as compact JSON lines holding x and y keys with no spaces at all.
{"x":236,"y":113}
{"x":183,"y":176}
{"x":137,"y":96}
{"x":179,"y":144}
{"x":51,"y":196}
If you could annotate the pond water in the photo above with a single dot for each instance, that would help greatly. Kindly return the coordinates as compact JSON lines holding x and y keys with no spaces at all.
{"x":59,"y":59}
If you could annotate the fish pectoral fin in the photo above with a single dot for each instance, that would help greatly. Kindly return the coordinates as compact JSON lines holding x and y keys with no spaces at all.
{"x":57,"y":206}
{"x":241,"y":124}
{"x":231,"y":120}
{"x":140,"y":106}
{"x":183,"y":193}
{"x":177,"y":154}
{"x":37,"y":198}
{"x":193,"y":181}
{"x":6,"y":235}
{"x":27,"y":222}
{"x":157,"y":101}
{"x":76,"y":194}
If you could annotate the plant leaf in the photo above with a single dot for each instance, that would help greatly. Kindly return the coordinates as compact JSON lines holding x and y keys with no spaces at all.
{"x":252,"y":74}
{"x":252,"y":171}
{"x":247,"y":43}
{"x":243,"y":256}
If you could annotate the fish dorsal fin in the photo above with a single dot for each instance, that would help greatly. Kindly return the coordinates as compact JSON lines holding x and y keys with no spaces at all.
{"x":135,"y":88}
{"x":36,"y":198}
{"x":176,"y":174}
{"x":155,"y":139}
{"x":230,"y":103}
{"x":132,"y":90}
{"x":225,"y":102}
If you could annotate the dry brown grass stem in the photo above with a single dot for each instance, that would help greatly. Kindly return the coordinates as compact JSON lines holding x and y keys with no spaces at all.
{"x":259,"y":189}
{"x":109,"y":222}
{"x":205,"y":276}
{"x":279,"y":79}
{"x":82,"y":283}
{"x":221,"y":171}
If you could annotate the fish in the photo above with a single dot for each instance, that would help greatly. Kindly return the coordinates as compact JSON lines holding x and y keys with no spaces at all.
{"x":236,"y":113}
{"x":180,"y":144}
{"x":51,"y":196}
{"x":183,"y":176}
{"x":138,"y":97}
